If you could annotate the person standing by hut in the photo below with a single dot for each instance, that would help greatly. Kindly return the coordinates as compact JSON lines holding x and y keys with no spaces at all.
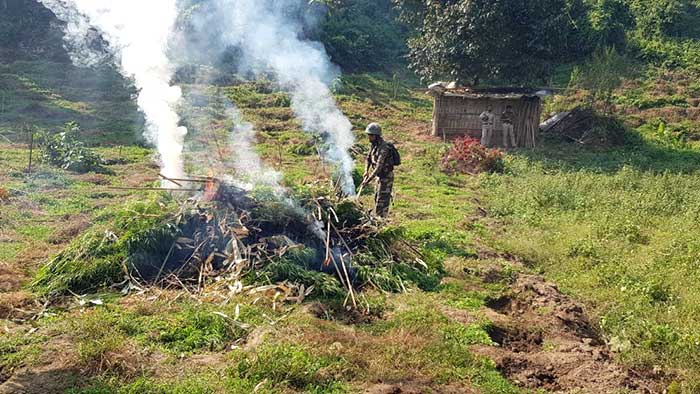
{"x":508,"y":120}
{"x":487,"y":120}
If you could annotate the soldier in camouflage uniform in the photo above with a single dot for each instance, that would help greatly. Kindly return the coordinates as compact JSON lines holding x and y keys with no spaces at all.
{"x":508,"y":120}
{"x":379,"y":165}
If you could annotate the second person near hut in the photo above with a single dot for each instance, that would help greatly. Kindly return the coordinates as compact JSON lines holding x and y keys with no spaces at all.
{"x":508,"y":120}
{"x":487,"y":121}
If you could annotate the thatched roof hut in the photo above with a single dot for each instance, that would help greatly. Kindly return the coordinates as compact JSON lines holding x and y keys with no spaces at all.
{"x":457,"y":110}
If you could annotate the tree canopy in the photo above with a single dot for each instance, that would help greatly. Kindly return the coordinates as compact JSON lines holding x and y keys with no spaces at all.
{"x":364,"y":35}
{"x":523,"y":40}
{"x":506,"y":40}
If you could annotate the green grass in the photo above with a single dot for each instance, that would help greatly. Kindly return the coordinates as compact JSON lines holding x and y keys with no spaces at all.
{"x":46,"y":95}
{"x":183,"y":328}
{"x":614,"y":228}
{"x":617,"y":229}
{"x":18,"y":351}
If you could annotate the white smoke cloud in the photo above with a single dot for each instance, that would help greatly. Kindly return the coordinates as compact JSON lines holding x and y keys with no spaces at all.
{"x":138,"y":33}
{"x":269,"y":36}
{"x":248,"y":165}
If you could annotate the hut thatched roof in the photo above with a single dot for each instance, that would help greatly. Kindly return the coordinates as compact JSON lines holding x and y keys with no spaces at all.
{"x":453,"y":90}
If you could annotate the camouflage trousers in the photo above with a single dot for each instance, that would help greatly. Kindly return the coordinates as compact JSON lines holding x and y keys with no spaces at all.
{"x":508,"y":135}
{"x":384,"y":195}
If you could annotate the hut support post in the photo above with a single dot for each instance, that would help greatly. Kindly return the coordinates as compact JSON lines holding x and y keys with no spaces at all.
{"x":436,"y":106}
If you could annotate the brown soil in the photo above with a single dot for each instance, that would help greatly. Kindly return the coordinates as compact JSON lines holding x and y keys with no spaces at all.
{"x":546,"y":341}
{"x":55,"y":373}
{"x":46,"y":380}
{"x":73,"y":226}
{"x":10,"y":279}
{"x":17,"y":305}
{"x":335,"y":313}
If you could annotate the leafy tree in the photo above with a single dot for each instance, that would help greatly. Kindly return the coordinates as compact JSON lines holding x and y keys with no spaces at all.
{"x":655,"y":18}
{"x":610,"y":20}
{"x":364,"y":35}
{"x":505,"y":40}
{"x":65,"y":150}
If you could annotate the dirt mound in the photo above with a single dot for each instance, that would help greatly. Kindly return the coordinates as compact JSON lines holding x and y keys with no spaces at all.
{"x":546,"y":341}
{"x":586,"y":127}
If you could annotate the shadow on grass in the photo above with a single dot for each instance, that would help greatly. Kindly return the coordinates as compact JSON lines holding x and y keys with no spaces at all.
{"x":637,"y":153}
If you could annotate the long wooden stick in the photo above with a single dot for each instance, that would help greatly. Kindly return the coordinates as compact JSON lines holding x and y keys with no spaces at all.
{"x":152,"y":189}
{"x":330,"y":258}
{"x":347,"y":277}
{"x":170,"y":180}
{"x":193,"y":180}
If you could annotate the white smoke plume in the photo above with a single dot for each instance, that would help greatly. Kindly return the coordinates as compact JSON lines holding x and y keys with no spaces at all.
{"x":251,"y":169}
{"x":269,"y":36}
{"x":248,"y":165}
{"x":138,"y":33}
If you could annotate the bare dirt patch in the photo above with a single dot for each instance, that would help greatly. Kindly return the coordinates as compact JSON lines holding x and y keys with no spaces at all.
{"x":41,"y":381}
{"x":340,"y":314}
{"x":96,"y":179}
{"x":10,"y":279}
{"x":55,"y":373}
{"x":547,"y":341}
{"x":17,"y":305}
{"x":72,"y":227}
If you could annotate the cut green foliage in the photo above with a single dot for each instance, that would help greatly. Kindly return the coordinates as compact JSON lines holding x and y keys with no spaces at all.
{"x":102,"y":256}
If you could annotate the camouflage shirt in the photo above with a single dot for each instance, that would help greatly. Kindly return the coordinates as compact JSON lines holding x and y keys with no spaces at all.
{"x":508,"y":116}
{"x":379,"y":161}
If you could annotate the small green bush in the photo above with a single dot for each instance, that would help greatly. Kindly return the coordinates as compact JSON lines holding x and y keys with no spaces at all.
{"x":64,"y":150}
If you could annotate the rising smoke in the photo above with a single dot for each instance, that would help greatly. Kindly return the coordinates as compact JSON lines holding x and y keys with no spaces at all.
{"x":238,"y":156}
{"x":248,"y":164}
{"x":269,"y":38}
{"x":138,"y":33}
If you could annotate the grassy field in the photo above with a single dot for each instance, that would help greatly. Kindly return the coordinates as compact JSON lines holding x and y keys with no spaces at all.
{"x":618,"y":229}
{"x":614,"y":228}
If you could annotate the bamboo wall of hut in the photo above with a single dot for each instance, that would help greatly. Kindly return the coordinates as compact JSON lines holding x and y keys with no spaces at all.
{"x":456,"y":112}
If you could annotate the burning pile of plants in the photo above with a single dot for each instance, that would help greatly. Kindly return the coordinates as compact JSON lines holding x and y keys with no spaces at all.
{"x":231,"y":239}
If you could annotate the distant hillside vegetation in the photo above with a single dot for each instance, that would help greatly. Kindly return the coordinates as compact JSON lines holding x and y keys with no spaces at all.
{"x":29,"y":31}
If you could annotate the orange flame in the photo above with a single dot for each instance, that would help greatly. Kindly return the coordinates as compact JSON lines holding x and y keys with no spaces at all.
{"x":211,"y":187}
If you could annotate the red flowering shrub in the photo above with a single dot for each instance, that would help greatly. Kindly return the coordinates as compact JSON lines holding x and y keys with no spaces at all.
{"x":468,"y":156}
